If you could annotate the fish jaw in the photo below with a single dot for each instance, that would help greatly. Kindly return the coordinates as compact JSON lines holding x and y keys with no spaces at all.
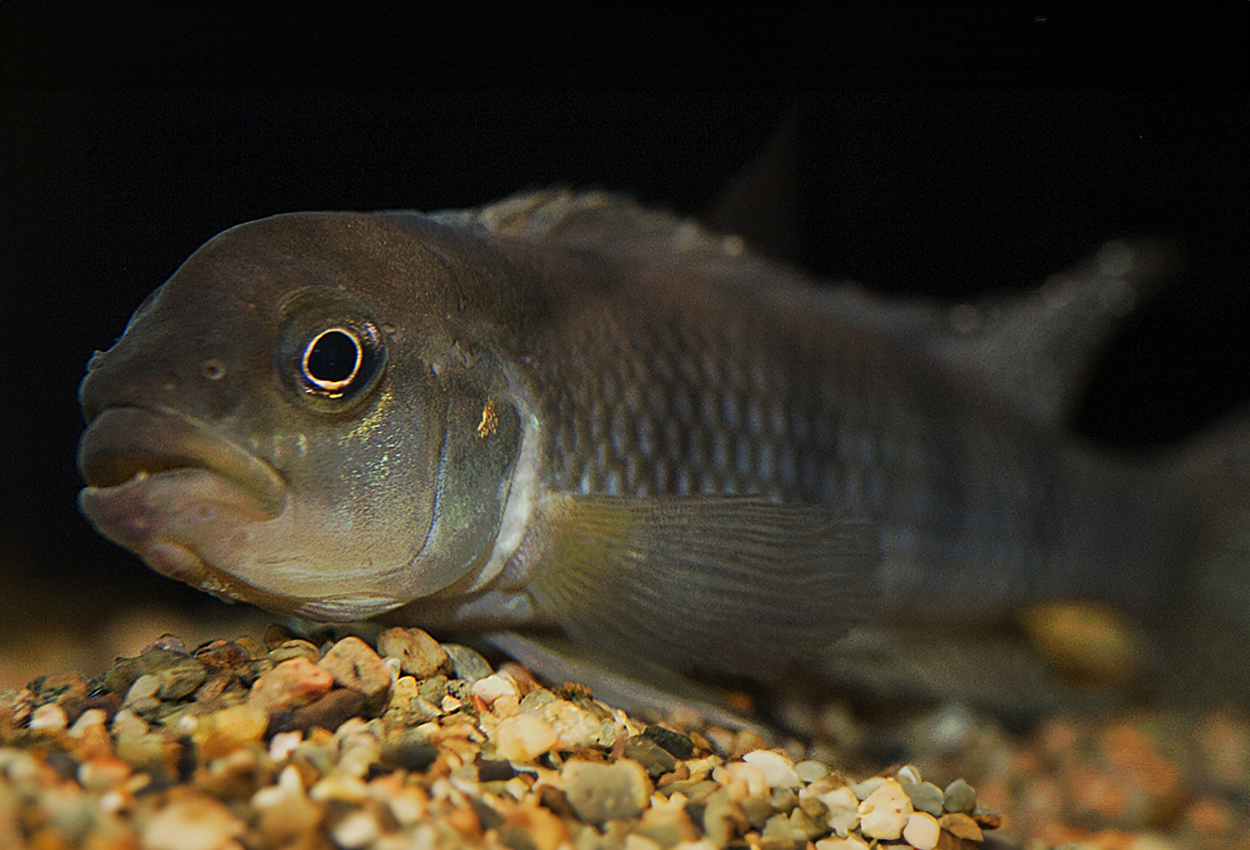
{"x":167,"y":487}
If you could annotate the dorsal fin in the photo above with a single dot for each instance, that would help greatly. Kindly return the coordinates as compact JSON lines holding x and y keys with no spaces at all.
{"x":1036,"y":350}
{"x":761,"y":203}
{"x":607,"y":221}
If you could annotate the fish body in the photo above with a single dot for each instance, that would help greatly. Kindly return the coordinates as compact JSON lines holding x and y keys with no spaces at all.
{"x":565,"y":411}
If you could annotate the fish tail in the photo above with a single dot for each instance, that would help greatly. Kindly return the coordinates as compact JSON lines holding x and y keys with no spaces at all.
{"x":1210,"y":630}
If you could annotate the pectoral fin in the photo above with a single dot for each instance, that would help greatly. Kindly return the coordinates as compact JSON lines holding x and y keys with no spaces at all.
{"x":724,"y":584}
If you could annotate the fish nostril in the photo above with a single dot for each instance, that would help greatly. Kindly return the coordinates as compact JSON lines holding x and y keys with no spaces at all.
{"x":213,"y":369}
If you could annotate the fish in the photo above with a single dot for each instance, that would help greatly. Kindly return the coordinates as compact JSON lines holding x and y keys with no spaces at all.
{"x":567,"y":413}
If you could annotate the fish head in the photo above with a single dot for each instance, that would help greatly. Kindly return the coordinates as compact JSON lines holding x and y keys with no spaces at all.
{"x":290,"y":421}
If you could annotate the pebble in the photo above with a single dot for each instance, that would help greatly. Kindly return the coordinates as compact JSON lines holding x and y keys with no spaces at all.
{"x":48,"y":716}
{"x":959,"y":797}
{"x":778,"y":770}
{"x":419,"y":654}
{"x":192,"y":822}
{"x":885,"y":811}
{"x":523,"y":738}
{"x":925,"y":797}
{"x":294,"y":681}
{"x":355,"y":665}
{"x":467,"y":664}
{"x":603,"y":792}
{"x":961,"y":826}
{"x":922,"y":831}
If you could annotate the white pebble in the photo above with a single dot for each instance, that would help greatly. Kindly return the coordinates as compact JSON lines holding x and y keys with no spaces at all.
{"x":778,"y":770}
{"x":851,"y":842}
{"x":922,"y":831}
{"x":885,"y":812}
{"x":359,"y":829}
{"x":48,"y":716}
{"x":492,"y":688}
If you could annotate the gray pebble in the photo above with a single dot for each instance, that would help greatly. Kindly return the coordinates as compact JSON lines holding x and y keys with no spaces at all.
{"x":467,"y":663}
{"x":925,"y":797}
{"x":959,"y":797}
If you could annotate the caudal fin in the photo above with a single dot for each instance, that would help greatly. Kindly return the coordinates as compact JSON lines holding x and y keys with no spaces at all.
{"x":1210,"y":656}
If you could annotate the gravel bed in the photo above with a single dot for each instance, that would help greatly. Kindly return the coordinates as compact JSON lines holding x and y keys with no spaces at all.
{"x":406,"y":743}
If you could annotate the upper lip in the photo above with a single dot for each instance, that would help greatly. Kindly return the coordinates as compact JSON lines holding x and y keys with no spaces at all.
{"x":123,"y":443}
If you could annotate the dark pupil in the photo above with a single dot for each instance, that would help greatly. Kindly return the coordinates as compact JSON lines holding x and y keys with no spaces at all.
{"x":333,"y":357}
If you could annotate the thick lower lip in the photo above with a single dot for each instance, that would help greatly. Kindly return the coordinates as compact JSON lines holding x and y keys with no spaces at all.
{"x":133,"y":447}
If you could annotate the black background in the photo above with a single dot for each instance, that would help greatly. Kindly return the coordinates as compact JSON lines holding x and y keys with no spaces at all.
{"x":127,"y":138}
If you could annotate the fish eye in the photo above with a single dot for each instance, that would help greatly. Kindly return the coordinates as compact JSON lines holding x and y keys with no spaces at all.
{"x":340,"y":360}
{"x":332,"y":360}
{"x":328,"y":352}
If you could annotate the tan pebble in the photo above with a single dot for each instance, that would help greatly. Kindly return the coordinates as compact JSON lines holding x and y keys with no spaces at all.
{"x":742,"y":780}
{"x":778,"y":770}
{"x":128,"y":724}
{"x":449,"y":704}
{"x":850,"y":842}
{"x":294,"y":681}
{"x":103,"y":774}
{"x":922,"y":831}
{"x":88,"y":720}
{"x":603,"y":792}
{"x":523,"y":738}
{"x":142,"y":692}
{"x":48,"y":716}
{"x":192,"y":823}
{"x":506,"y":706}
{"x":407,"y":806}
{"x":419,"y":654}
{"x":286,"y":813}
{"x":843,"y":815}
{"x":283,"y":744}
{"x":492,"y":688}
{"x":1153,"y":842}
{"x":354,"y":664}
{"x":534,"y":827}
{"x":575,"y":727}
{"x":224,"y":731}
{"x":340,"y":786}
{"x":633,"y":841}
{"x":358,"y":829}
{"x":884,"y":813}
{"x":1085,"y":640}
{"x":294,"y":648}
{"x":961,"y":826}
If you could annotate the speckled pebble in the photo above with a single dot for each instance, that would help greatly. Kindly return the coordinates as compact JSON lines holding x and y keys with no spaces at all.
{"x":419,"y":654}
{"x":294,"y":681}
{"x":467,"y":664}
{"x":355,"y":665}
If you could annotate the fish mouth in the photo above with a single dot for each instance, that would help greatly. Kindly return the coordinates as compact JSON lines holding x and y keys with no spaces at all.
{"x":170,"y":488}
